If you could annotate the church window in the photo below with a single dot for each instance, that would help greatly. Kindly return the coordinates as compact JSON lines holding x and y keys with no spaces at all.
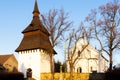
{"x":91,"y":68}
{"x":29,"y":73}
{"x":79,"y":70}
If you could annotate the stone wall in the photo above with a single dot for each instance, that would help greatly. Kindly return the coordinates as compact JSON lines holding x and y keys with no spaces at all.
{"x":76,"y":76}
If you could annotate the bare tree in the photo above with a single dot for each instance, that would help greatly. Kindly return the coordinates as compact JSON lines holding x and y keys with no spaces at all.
{"x":57,"y":23}
{"x":72,"y":50}
{"x":106,"y":25}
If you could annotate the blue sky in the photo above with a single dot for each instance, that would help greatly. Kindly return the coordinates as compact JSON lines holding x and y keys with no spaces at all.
{"x":15,"y":15}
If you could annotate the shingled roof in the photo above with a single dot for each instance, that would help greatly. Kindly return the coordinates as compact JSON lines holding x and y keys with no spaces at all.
{"x":34,"y":42}
{"x":36,"y":23}
{"x":4,"y":58}
{"x":36,"y":8}
{"x":36,"y":35}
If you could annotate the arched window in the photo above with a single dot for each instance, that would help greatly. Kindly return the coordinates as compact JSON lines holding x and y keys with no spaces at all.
{"x":79,"y":70}
{"x":29,"y":73}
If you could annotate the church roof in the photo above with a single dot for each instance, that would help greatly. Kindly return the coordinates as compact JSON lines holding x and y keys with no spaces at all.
{"x":34,"y":42}
{"x":36,"y":23}
{"x":36,"y":8}
{"x":36,"y":35}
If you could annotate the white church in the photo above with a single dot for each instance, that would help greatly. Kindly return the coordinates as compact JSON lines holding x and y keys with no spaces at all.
{"x":35,"y":47}
{"x":90,"y":60}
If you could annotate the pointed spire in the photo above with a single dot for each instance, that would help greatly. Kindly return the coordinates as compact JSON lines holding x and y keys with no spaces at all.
{"x":36,"y":10}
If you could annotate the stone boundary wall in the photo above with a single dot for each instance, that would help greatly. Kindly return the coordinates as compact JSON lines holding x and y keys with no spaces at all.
{"x":76,"y":76}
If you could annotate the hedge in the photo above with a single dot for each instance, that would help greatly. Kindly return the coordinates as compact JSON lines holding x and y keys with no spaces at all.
{"x":11,"y":76}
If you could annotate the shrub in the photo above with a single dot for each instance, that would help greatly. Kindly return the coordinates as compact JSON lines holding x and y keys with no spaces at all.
{"x":11,"y":76}
{"x":113,"y":75}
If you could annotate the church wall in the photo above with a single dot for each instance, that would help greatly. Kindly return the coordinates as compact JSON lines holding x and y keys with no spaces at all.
{"x":93,"y":65}
{"x":103,"y":64}
{"x":90,"y":60}
{"x":45,"y":62}
{"x":83,"y":64}
{"x":37,"y":60}
{"x":30,"y":59}
{"x":87,"y":66}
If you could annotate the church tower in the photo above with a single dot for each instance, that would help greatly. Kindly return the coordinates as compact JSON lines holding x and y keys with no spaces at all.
{"x":35,"y":47}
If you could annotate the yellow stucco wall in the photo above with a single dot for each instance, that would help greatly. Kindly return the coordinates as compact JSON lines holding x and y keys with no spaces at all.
{"x":11,"y":63}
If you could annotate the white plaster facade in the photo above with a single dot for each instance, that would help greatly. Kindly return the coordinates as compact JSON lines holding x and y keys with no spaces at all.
{"x":90,"y":60}
{"x":37,"y":60}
